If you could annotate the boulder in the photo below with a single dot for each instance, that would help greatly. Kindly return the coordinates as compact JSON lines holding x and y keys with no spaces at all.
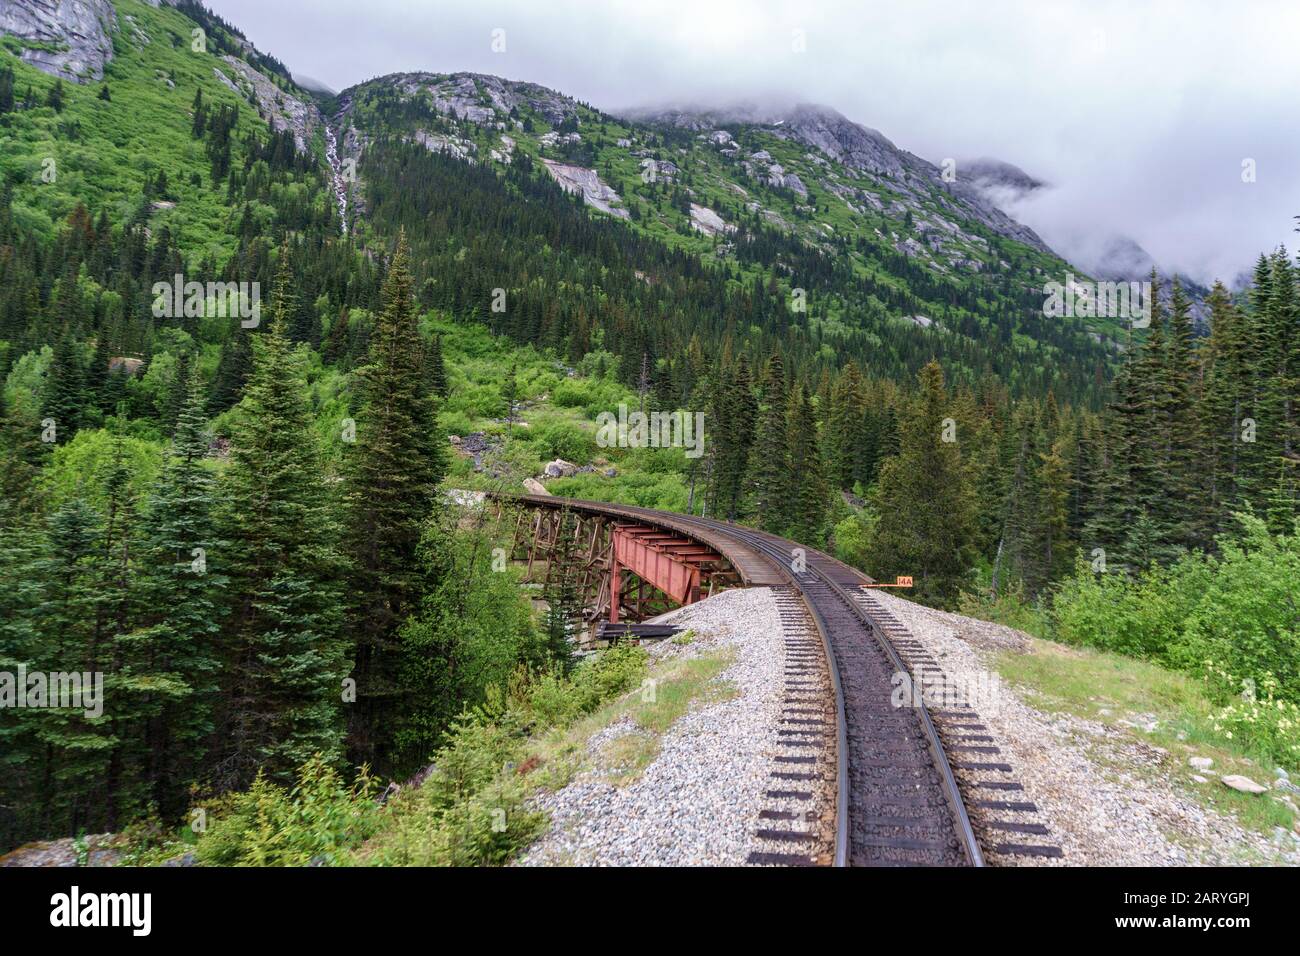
{"x":535,"y":487}
{"x":560,"y":469}
{"x":1201,"y":763}
{"x":1244,"y":784}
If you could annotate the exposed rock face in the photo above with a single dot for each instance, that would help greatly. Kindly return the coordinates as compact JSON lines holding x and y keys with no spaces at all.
{"x":708,"y":222}
{"x":282,"y":110}
{"x":453,"y":146}
{"x":480,"y":98}
{"x":75,"y":35}
{"x":994,"y":174}
{"x":576,"y":179}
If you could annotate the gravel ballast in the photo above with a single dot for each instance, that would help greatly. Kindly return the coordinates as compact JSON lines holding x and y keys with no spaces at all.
{"x":1109,"y":797}
{"x":697,"y":803}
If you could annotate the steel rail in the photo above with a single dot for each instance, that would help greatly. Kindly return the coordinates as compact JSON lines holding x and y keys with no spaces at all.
{"x":772,"y":546}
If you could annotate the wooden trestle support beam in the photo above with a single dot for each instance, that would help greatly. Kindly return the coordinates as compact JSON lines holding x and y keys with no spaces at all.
{"x":626,"y":570}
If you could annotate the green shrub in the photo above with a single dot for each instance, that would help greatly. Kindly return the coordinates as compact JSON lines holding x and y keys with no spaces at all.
{"x":851,"y":537}
{"x":315,"y":821}
{"x":1257,"y":720}
{"x":563,"y":440}
{"x":1248,"y":613}
{"x":473,"y":809}
{"x":1009,"y":607}
{"x":614,"y":672}
{"x":1140,"y":616}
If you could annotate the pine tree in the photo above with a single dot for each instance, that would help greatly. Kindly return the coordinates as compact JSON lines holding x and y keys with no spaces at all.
{"x":435,"y":369}
{"x":6,"y":90}
{"x":181,"y":593}
{"x":22,"y":454}
{"x":510,"y":394}
{"x":335,"y":346}
{"x":846,"y":429}
{"x":809,"y":494}
{"x":927,"y":511}
{"x":733,"y":413}
{"x":65,"y":395}
{"x":233,"y":369}
{"x":54,"y":630}
{"x":1220,"y":413}
{"x":1054,"y":554}
{"x":1181,"y":484}
{"x":563,"y":607}
{"x":284,"y":654}
{"x":771,"y":472}
{"x":200,"y":115}
{"x":392,"y":488}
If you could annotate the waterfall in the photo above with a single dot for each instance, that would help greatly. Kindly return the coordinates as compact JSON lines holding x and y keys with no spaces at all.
{"x":340,"y":181}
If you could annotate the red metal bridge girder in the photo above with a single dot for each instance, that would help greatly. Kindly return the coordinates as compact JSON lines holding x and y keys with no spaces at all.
{"x":668,"y":562}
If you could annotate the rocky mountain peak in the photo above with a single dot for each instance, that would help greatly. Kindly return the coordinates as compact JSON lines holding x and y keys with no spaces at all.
{"x":478,"y":97}
{"x":995,"y":174}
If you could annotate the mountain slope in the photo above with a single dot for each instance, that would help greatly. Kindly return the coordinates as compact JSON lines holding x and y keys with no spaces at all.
{"x":129,"y":120}
{"x":890,"y":261}
{"x":863,"y":249}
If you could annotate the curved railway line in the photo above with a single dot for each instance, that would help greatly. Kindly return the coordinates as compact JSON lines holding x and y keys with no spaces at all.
{"x":897,"y":800}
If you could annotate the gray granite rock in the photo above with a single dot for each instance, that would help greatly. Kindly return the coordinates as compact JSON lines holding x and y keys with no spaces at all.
{"x":69,"y":38}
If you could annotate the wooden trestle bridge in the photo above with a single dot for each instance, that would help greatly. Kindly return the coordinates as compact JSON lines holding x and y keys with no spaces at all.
{"x":631,"y":563}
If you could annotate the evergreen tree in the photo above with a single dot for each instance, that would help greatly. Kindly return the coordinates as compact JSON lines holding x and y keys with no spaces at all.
{"x":392,"y":488}
{"x":563,"y":618}
{"x":435,"y":369}
{"x":335,"y":346}
{"x":510,"y":394}
{"x":809,"y":496}
{"x":181,"y":595}
{"x":233,"y":370}
{"x":65,"y":395}
{"x":771,"y":473}
{"x":1225,"y":397}
{"x":733,"y":413}
{"x":847,"y":429}
{"x":6,"y":90}
{"x":927,"y":519}
{"x":284,"y":654}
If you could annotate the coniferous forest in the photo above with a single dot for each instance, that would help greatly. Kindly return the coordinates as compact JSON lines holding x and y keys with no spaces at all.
{"x":247,"y":531}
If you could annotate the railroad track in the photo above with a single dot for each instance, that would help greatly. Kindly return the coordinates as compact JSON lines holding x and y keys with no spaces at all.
{"x":897,"y":799}
{"x":898,"y":802}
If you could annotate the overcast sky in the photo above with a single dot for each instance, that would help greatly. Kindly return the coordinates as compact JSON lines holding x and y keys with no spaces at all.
{"x":1139,"y":114}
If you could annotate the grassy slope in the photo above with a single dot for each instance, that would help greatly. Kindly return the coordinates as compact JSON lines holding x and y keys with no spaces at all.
{"x":1120,"y":692}
{"x":104,"y":150}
